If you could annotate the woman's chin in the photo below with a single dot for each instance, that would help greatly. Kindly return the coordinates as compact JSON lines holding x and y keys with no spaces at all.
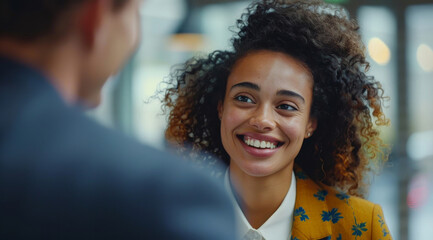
{"x":262,"y":169}
{"x":257,"y":170}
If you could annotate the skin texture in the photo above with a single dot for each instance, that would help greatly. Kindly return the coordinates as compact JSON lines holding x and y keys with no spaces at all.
{"x":266,"y":111}
{"x":268,"y":97}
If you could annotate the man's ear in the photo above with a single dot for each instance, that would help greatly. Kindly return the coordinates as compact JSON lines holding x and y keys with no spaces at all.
{"x":90,"y":20}
{"x":220,"y":109}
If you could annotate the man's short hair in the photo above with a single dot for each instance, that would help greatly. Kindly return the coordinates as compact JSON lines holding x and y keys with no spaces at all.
{"x":29,"y":19}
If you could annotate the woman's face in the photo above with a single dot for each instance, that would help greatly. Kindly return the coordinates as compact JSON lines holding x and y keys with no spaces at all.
{"x":265,"y":115}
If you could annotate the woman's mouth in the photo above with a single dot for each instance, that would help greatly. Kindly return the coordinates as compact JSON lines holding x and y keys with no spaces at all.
{"x":259,"y":143}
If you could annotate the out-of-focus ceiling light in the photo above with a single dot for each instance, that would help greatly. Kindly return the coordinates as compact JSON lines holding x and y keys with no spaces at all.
{"x":186,"y":42}
{"x":188,"y":37}
{"x":379,"y":51}
{"x":424,"y":56}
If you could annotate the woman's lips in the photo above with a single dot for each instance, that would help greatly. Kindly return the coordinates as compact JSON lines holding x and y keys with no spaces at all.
{"x":259,"y":145}
{"x":260,"y":137}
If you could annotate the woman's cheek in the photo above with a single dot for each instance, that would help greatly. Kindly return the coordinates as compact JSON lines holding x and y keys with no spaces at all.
{"x":293,"y":128}
{"x":234,"y":116}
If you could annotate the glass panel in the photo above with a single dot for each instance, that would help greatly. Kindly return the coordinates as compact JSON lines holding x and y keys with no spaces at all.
{"x":217,"y":21}
{"x":378,"y":30}
{"x":160,"y":18}
{"x":419,"y":21}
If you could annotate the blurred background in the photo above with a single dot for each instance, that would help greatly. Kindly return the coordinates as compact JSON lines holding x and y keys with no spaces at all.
{"x":398,"y":35}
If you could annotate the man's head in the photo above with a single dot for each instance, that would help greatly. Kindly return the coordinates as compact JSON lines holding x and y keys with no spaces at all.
{"x":31,"y":19}
{"x":104,"y":32}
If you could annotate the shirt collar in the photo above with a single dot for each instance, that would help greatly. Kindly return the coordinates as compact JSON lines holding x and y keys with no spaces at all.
{"x":278,"y":226}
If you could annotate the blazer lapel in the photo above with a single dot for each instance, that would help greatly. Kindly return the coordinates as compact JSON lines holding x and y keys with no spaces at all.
{"x":309,"y":206}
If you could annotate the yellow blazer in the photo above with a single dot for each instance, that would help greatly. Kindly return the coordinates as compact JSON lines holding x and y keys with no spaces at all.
{"x":321,"y":212}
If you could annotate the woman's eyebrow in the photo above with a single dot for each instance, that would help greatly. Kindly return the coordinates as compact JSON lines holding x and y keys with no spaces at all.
{"x":279,"y":93}
{"x":290,"y":94}
{"x":247,"y":85}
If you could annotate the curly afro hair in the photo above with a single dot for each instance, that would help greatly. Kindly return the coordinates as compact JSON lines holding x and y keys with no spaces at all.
{"x":346,"y":102}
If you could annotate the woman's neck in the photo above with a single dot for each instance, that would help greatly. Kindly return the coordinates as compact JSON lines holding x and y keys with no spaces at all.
{"x":259,"y":197}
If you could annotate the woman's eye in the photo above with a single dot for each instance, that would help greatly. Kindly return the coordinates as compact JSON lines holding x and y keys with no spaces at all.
{"x":287,"y":107}
{"x":242,"y":98}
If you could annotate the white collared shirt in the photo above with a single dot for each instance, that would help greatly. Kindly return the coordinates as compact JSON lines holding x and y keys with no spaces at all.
{"x":277,"y":227}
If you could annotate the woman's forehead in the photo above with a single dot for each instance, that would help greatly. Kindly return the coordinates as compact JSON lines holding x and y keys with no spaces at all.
{"x":268,"y":67}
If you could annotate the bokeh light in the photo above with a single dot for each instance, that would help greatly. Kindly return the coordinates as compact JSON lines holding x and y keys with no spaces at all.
{"x":424,"y":56}
{"x":379,"y":51}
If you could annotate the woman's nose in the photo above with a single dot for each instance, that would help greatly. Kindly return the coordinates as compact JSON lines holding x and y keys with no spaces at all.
{"x":263,"y":119}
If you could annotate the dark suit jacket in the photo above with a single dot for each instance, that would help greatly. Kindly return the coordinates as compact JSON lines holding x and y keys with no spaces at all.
{"x":62,"y":176}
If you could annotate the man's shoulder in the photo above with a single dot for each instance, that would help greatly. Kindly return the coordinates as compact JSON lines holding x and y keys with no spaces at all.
{"x":80,"y":168}
{"x":65,"y":175}
{"x":38,"y":125}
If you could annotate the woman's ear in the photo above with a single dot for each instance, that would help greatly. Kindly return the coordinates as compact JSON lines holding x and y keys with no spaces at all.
{"x":220,"y":109}
{"x":311,"y":127}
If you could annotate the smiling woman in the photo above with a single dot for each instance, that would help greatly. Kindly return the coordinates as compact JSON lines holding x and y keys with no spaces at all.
{"x":265,"y":114}
{"x":291,"y":99}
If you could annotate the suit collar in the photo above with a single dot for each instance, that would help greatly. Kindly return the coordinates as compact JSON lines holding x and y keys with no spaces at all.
{"x":28,"y":81}
{"x":23,"y":76}
{"x":309,"y":205}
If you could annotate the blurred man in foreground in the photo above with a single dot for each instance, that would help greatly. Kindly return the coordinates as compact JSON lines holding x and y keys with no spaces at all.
{"x":62,"y":176}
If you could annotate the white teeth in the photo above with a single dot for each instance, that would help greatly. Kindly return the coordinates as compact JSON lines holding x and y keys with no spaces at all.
{"x":258,"y":144}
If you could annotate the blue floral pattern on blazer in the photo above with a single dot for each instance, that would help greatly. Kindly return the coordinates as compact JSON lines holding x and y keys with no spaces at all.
{"x":321,"y":212}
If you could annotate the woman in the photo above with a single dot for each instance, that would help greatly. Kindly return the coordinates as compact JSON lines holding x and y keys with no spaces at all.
{"x":291,"y":98}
